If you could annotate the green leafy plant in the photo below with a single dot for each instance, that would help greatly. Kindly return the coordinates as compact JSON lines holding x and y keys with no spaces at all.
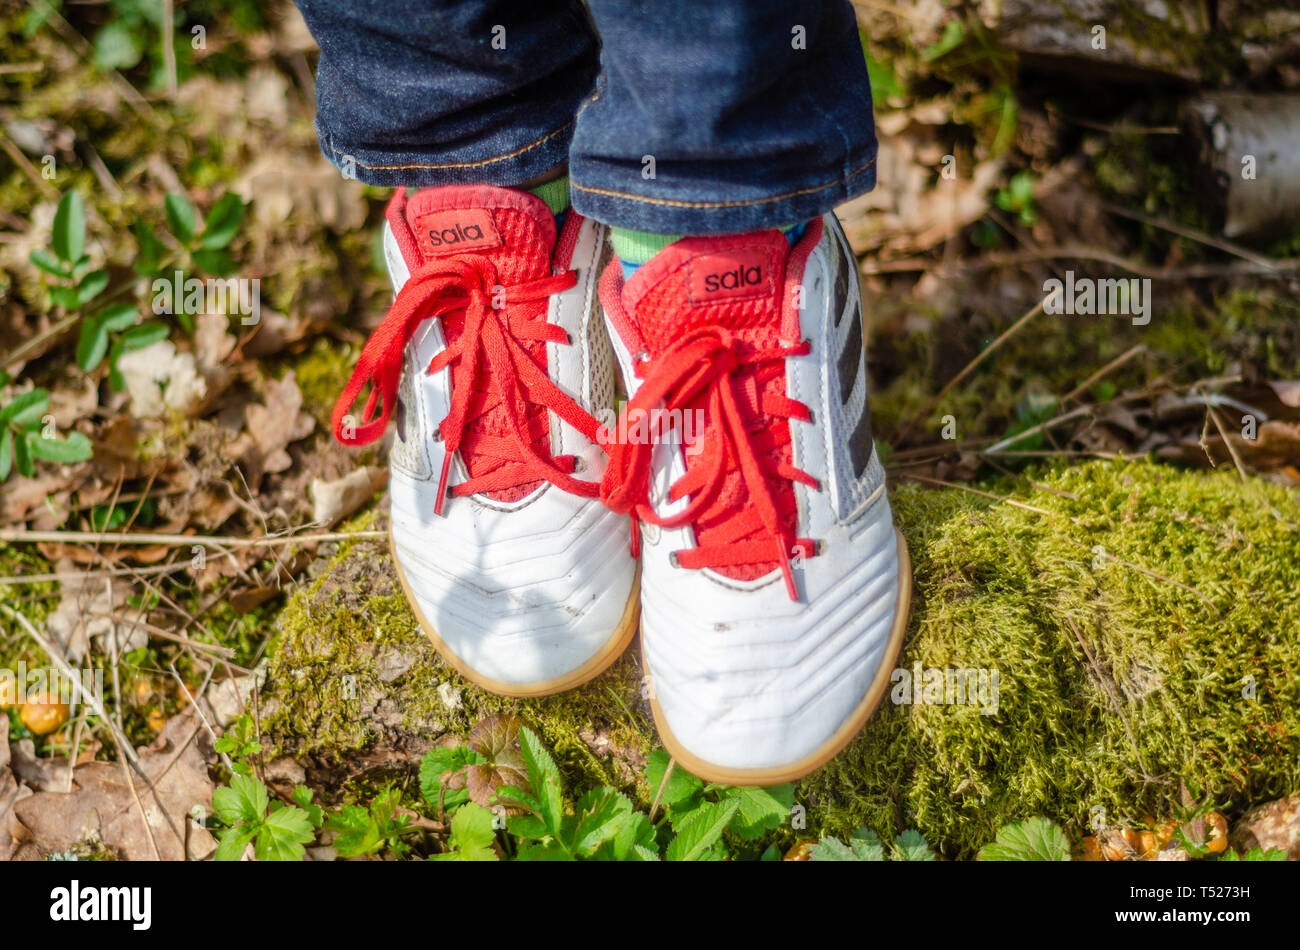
{"x":241,"y":742}
{"x":66,"y":260}
{"x":110,"y":330}
{"x":701,"y":812}
{"x":865,"y":845}
{"x":546,"y":832}
{"x":472,"y":836}
{"x":1035,"y":839}
{"x":1255,"y":854}
{"x":26,"y":436}
{"x":278,"y":832}
{"x":1017,"y":196}
{"x":205,"y":240}
{"x":503,"y":772}
{"x":367,"y":830}
{"x":489,"y":760}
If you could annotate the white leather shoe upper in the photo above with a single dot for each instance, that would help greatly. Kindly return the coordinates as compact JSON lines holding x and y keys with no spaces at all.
{"x":745,"y":678}
{"x":525,"y":592}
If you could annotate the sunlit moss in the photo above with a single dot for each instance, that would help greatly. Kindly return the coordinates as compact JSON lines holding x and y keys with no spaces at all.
{"x":997,"y":587}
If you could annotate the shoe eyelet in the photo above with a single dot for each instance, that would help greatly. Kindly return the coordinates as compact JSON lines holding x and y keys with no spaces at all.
{"x":672,"y":559}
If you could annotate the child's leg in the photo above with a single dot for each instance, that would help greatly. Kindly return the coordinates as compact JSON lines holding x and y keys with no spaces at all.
{"x":418,"y":93}
{"x":774,"y":587}
{"x":491,"y":361}
{"x":723,"y":117}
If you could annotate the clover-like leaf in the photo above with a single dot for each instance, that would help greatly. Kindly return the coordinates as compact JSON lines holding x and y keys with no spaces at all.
{"x":181,"y":217}
{"x":244,"y":800}
{"x":1036,"y":839}
{"x":224,"y":219}
{"x":472,"y":835}
{"x":283,"y":835}
{"x":69,"y":238}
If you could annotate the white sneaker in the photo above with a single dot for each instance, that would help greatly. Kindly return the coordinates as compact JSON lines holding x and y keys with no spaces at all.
{"x":774,"y":587}
{"x":512,"y":565}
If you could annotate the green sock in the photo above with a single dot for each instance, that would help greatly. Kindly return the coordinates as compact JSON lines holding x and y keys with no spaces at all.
{"x":555,"y":193}
{"x":634,"y":248}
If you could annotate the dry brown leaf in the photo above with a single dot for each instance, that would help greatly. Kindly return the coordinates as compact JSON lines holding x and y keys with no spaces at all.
{"x":102,"y":804}
{"x":274,"y":425}
{"x":332,"y":501}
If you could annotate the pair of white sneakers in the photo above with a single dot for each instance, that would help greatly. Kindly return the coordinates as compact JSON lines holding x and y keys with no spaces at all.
{"x":760,"y":556}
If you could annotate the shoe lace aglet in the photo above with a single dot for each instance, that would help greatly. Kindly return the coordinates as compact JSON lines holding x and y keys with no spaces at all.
{"x":788,"y":573}
{"x":442,"y":481}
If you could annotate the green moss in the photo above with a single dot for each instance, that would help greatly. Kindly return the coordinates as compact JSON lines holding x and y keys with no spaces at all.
{"x":1001,"y":588}
{"x":34,"y":601}
{"x":997,"y":587}
{"x":327,"y":696}
{"x":322,"y":372}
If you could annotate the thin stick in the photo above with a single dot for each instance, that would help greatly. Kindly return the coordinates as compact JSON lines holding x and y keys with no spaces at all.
{"x":204,"y":719}
{"x":1108,"y":686}
{"x":56,"y":657}
{"x":21,"y":160}
{"x":980,"y":358}
{"x":117,"y":700}
{"x":992,"y":261}
{"x":76,"y":745}
{"x":1105,"y":370}
{"x":23,"y":536}
{"x":105,"y":572}
{"x":1223,"y":434}
{"x":224,"y":652}
{"x":1034,"y":430}
{"x":1236,"y":250}
{"x":663,"y":784}
{"x":169,"y":45}
{"x":20,"y":353}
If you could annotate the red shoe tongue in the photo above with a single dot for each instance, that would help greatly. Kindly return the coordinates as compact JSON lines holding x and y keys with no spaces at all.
{"x":513,"y":229}
{"x":736,"y":281}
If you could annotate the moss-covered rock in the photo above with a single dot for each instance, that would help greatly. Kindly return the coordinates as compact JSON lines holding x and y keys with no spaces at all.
{"x":1143,"y":624}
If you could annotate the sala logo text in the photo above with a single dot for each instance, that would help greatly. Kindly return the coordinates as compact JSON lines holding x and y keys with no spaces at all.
{"x":456,"y":235}
{"x":735,"y":279}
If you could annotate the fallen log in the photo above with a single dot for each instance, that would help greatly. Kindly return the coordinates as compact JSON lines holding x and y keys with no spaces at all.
{"x":1248,"y":160}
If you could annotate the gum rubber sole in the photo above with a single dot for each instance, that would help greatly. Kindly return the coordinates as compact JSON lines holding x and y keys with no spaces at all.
{"x":601,"y":661}
{"x":842,"y":736}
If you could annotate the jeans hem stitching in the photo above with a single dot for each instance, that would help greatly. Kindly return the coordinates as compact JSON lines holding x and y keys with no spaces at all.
{"x":486,"y":161}
{"x":675,"y":203}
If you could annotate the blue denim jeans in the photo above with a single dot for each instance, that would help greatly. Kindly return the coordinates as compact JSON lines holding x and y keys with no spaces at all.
{"x":685,"y":117}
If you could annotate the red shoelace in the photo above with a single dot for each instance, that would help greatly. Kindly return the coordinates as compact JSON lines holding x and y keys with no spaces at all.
{"x":490,"y":366}
{"x":714,"y":362}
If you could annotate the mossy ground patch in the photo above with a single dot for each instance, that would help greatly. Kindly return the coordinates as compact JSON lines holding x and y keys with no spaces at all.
{"x":1191,"y":622}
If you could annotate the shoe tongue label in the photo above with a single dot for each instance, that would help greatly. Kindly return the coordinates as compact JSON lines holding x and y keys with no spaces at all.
{"x":454,"y":230}
{"x":742,"y":274}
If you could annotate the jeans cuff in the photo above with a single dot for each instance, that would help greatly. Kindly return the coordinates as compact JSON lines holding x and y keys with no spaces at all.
{"x":428,"y":167}
{"x":616,"y":206}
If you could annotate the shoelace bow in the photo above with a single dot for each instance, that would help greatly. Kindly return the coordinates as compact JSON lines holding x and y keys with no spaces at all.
{"x":711,"y":361}
{"x":490,"y":367}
